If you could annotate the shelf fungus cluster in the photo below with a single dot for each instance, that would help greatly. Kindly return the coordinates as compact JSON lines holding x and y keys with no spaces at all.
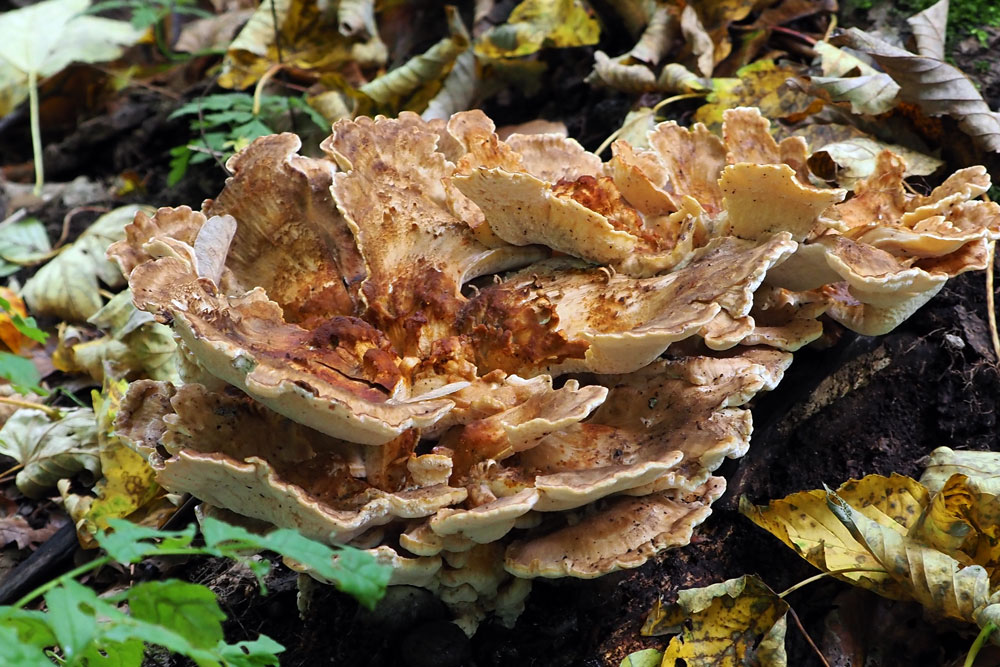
{"x":489,"y":361}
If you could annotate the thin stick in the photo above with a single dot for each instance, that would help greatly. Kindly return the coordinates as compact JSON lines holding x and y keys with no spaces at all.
{"x":821,"y":575}
{"x":798,"y":624}
{"x":977,"y":645}
{"x":36,"y":131}
{"x":10,"y":471}
{"x":991,"y":311}
{"x":51,"y":413}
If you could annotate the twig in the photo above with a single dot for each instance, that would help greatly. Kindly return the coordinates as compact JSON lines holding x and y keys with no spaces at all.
{"x":991,"y":311}
{"x":798,"y":624}
{"x":50,"y":412}
{"x":821,"y":575}
{"x":795,"y":33}
{"x":5,"y":475}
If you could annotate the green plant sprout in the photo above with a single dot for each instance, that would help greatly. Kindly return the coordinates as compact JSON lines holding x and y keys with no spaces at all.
{"x":80,"y":629}
{"x":151,"y":14}
{"x":19,"y":371}
{"x":226,"y":123}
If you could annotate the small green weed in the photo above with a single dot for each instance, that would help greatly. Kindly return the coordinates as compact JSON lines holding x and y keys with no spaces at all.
{"x":226,"y":123}
{"x":21,"y":372}
{"x":81,"y":629}
{"x":147,"y":14}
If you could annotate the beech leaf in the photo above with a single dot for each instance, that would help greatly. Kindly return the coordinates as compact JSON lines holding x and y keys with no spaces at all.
{"x":929,"y":30}
{"x":22,"y":242}
{"x":938,"y":88}
{"x":804,"y":522}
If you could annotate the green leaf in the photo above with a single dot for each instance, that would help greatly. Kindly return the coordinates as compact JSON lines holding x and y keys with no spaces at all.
{"x":21,"y":373}
{"x":649,"y":657}
{"x":50,"y":450}
{"x":103,"y":653}
{"x":188,"y":609}
{"x":26,"y":325}
{"x":261,"y":651}
{"x":16,"y":652}
{"x":180,"y":157}
{"x":350,"y":570}
{"x":72,"y":616}
{"x":130,"y":543}
{"x":32,"y":627}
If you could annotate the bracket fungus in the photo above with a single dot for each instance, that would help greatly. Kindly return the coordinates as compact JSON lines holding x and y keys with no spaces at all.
{"x":488,"y":361}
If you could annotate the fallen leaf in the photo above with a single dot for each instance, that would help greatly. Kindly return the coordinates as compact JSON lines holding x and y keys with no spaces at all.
{"x":937,"y":581}
{"x":458,"y":91}
{"x":43,"y":38}
{"x":310,"y":40}
{"x":16,"y":529}
{"x":67,"y":286}
{"x":649,"y":657}
{"x":697,"y":40}
{"x":22,"y":242}
{"x":128,"y":482}
{"x":721,"y":624}
{"x":48,"y":449}
{"x":945,"y":462}
{"x":929,"y":30}
{"x":212,"y":32}
{"x":804,"y":522}
{"x":936,"y":87}
{"x":136,"y":345}
{"x":391,"y":89}
{"x":537,"y":24}
{"x":622,"y":73}
{"x":761,"y":84}
{"x":846,"y":162}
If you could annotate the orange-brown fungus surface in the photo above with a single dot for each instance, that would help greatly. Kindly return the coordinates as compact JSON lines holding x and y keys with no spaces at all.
{"x":487,"y":361}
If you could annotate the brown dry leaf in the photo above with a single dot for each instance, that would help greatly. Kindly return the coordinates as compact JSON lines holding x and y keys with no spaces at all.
{"x":16,"y":529}
{"x":721,"y":624}
{"x":929,"y":30}
{"x":936,"y":87}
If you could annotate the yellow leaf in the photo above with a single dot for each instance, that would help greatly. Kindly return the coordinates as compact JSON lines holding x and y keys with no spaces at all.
{"x":934,"y":579}
{"x":128,"y":483}
{"x":722,"y":624}
{"x":761,"y":84}
{"x":536,"y":24}
{"x":805,"y":523}
{"x":310,"y":39}
{"x":945,"y":462}
{"x":963,"y":521}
